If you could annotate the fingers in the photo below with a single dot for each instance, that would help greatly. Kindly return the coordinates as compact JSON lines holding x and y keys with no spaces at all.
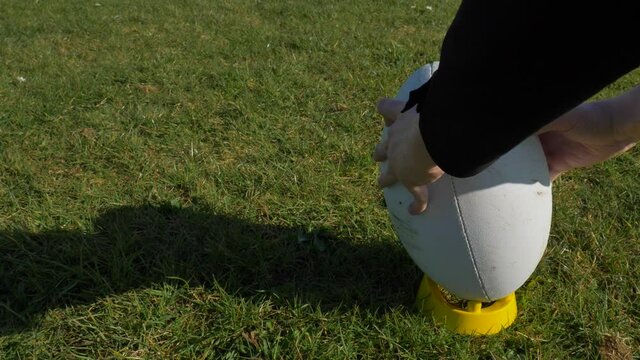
{"x":420,"y":193}
{"x":390,"y":109}
{"x":421,"y":198}
{"x":387,"y":179}
{"x":380,"y":152}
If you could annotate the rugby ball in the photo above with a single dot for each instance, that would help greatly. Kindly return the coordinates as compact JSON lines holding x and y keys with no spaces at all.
{"x":481,"y":237}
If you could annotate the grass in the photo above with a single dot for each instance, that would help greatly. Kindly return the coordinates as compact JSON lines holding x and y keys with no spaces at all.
{"x":193,"y":180}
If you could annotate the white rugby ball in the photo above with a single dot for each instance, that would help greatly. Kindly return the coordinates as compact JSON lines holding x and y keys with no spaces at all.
{"x":481,"y":237}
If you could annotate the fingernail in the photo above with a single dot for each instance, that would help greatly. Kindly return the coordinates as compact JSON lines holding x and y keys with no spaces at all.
{"x":417,"y":209}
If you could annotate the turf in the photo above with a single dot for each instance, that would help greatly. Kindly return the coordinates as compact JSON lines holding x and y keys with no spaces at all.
{"x":193,"y":180}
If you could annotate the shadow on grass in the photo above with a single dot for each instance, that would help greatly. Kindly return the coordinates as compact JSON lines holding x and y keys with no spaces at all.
{"x":134,"y":247}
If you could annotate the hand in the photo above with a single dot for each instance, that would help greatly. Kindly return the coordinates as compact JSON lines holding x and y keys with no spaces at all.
{"x":407,"y":158}
{"x":592,"y":133}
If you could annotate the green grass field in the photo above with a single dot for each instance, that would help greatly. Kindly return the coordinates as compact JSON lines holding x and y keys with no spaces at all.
{"x":192,"y":179}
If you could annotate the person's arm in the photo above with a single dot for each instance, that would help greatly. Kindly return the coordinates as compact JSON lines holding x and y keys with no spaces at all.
{"x":508,"y":68}
{"x":592,"y":133}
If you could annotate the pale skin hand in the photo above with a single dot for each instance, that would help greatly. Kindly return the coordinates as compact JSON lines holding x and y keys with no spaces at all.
{"x":592,"y":133}
{"x":407,"y":158}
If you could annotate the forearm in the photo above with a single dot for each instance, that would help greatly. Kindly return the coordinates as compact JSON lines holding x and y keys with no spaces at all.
{"x":625,"y":110}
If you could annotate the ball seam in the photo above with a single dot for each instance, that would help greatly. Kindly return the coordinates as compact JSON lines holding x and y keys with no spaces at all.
{"x":466,"y":238}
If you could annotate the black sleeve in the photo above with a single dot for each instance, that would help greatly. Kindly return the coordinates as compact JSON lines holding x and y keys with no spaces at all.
{"x":507,"y":68}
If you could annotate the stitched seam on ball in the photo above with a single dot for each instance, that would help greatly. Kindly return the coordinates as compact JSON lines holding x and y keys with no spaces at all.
{"x":466,"y":239}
